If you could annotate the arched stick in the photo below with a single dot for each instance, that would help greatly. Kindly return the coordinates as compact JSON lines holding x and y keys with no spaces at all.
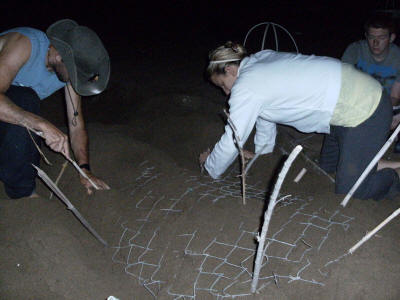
{"x":268,"y":214}
{"x":251,"y":162}
{"x":368,"y":169}
{"x":69,"y":205}
{"x":305,"y":156}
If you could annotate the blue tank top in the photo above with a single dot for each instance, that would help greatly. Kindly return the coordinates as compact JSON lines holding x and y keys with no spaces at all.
{"x":34,"y":73}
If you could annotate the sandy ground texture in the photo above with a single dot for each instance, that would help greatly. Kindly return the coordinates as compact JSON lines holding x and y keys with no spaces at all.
{"x":174,"y":233}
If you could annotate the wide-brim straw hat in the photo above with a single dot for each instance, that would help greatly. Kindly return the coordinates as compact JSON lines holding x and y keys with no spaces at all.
{"x":83,"y":54}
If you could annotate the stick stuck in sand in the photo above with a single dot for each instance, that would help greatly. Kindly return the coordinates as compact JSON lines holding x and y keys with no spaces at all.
{"x":375,"y":230}
{"x":368,"y":169}
{"x":300,"y":175}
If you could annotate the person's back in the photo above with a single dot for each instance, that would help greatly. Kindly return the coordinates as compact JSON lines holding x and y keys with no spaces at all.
{"x":286,"y":84}
{"x":262,"y":93}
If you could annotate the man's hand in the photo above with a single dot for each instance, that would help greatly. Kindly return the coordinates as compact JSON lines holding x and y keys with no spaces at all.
{"x":55,"y":139}
{"x":97,"y":181}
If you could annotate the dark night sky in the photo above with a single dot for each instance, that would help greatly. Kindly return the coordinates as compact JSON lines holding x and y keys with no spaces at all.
{"x":133,"y":22}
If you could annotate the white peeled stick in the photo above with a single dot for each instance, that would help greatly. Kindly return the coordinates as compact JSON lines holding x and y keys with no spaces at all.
{"x":300,"y":175}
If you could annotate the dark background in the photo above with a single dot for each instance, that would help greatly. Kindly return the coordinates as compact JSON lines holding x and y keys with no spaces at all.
{"x":320,"y":27}
{"x":160,"y":47}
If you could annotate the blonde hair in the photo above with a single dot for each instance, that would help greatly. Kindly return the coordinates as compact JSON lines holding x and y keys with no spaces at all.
{"x":228,"y":54}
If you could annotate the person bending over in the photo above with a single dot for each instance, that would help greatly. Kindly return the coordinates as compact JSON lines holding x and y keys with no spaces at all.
{"x":311,"y":94}
{"x":33,"y":65}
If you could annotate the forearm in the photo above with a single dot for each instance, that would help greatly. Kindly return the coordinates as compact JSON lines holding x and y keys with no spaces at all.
{"x":13,"y":114}
{"x":395,"y":93}
{"x":79,"y":145}
{"x":395,"y":101}
{"x":223,"y":154}
{"x":264,"y":139}
{"x":54,"y":138}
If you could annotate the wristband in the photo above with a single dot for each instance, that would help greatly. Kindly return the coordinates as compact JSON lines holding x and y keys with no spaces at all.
{"x":85,"y":166}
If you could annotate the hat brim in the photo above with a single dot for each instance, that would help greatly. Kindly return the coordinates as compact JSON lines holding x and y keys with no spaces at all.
{"x":68,"y":59}
{"x":78,"y":76}
{"x":98,"y":82}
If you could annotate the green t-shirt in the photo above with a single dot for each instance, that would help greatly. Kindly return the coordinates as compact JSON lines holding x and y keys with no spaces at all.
{"x":358,"y":99}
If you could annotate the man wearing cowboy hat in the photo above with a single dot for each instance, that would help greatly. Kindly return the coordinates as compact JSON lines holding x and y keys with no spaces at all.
{"x":33,"y":65}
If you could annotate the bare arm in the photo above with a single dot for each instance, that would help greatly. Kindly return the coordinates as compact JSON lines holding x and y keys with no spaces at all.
{"x":79,"y":137}
{"x":76,"y":126}
{"x":15,"y":50}
{"x":395,"y":93}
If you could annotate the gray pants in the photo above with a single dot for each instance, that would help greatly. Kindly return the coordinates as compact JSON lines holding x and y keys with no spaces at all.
{"x":348,"y":150}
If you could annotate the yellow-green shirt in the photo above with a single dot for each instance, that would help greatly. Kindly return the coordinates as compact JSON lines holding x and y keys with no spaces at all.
{"x":359,"y":97}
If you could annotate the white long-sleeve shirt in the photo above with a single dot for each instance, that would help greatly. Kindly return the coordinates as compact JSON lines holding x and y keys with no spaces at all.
{"x":272,"y":87}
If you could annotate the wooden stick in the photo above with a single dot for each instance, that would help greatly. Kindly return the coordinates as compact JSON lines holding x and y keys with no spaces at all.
{"x":375,"y":230}
{"x":64,"y":166}
{"x":368,"y":169}
{"x":268,"y":214}
{"x":243,"y":162}
{"x":251,"y":162}
{"x":69,"y":205}
{"x":36,"y":145}
{"x":300,"y":175}
{"x":303,"y":155}
{"x":39,"y":133}
{"x":76,"y":166}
